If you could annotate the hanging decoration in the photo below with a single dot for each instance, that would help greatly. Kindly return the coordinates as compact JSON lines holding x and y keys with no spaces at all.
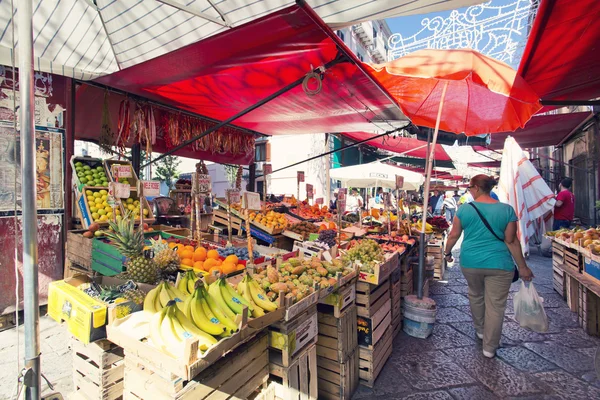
{"x":124,"y":126}
{"x":106,"y":140}
{"x":238,"y":178}
{"x":144,"y":126}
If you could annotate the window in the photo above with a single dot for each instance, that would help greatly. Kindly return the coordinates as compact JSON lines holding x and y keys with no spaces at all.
{"x":260,"y":152}
{"x":341,"y":35}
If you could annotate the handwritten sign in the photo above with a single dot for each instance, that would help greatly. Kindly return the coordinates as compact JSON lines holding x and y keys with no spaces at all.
{"x":251,"y":201}
{"x":399,"y":181}
{"x":387,"y":199}
{"x":121,"y":171}
{"x":267,"y":169}
{"x":341,"y":201}
{"x":309,"y":191}
{"x":151,"y":188}
{"x":234,"y":196}
{"x":119,"y":190}
{"x":319,"y":200}
{"x":300,"y":175}
{"x":204,"y":183}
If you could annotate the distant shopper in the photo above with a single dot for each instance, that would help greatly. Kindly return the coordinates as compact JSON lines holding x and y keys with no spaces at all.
{"x":466,"y":198}
{"x":333,"y":202}
{"x":456,"y":198}
{"x":489,"y":246}
{"x":433,"y":199}
{"x":354,"y":202}
{"x":450,"y":207}
{"x":439,"y":205}
{"x":564,"y":209}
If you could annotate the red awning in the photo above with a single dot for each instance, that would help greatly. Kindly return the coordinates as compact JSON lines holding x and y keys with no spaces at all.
{"x":403,"y":145}
{"x":434,"y":173}
{"x":562,"y":55}
{"x":485,"y":164}
{"x":543,"y":130}
{"x":220,"y":76}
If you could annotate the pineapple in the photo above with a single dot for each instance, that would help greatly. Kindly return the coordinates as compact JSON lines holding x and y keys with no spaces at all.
{"x":130,"y":242}
{"x":165,"y":258}
{"x":135,"y":295}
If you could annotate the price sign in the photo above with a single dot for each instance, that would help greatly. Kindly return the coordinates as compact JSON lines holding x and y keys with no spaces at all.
{"x":234,"y":196}
{"x":151,"y":188}
{"x":399,"y":181}
{"x":204,"y":183}
{"x":387,"y":199}
{"x":251,"y":201}
{"x":122,"y":171}
{"x":119,"y":190}
{"x":300,"y":176}
{"x":267,"y":169}
{"x":319,"y":200}
{"x":309,"y":191}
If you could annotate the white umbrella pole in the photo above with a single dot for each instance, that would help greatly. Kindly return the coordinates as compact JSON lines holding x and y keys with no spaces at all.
{"x":32,"y":372}
{"x":428,"y":167}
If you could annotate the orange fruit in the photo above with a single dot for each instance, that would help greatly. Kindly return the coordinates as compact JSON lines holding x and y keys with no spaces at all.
{"x":190,"y":248}
{"x":180,"y":250}
{"x":172,"y":244}
{"x":187,"y":261}
{"x":200,"y":254}
{"x":187,"y":254}
{"x":199,"y":265}
{"x":213,"y":254}
{"x":240,"y":267}
{"x":228,"y":267}
{"x":209,"y":263}
{"x":232,"y":259}
{"x":213,"y":269}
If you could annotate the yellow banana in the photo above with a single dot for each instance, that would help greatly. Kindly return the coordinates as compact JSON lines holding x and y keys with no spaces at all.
{"x":214,"y":291}
{"x":191,"y":282}
{"x":260,"y":298}
{"x":150,"y":300}
{"x":165,"y":295}
{"x":176,"y":293}
{"x":205,"y":340}
{"x":233,"y":299}
{"x":245,"y":292}
{"x":182,"y":285}
{"x":209,"y":302}
{"x":209,"y":325}
{"x":171,"y":340}
{"x":155,"y":323}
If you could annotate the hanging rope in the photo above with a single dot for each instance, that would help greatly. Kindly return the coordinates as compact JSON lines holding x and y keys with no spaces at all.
{"x":316,"y":76}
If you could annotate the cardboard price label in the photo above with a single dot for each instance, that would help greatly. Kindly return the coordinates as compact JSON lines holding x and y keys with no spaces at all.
{"x":151,"y":188}
{"x":122,"y":171}
{"x":399,"y":181}
{"x":234,"y":196}
{"x":204,"y":183}
{"x":341,"y":200}
{"x":300,"y":176}
{"x":319,"y":200}
{"x":309,"y":191}
{"x":119,"y":190}
{"x":251,"y":201}
{"x":267,"y":169}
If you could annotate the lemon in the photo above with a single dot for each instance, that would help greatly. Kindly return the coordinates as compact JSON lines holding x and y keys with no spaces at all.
{"x":91,"y":199}
{"x":129,"y":201}
{"x":103,"y":218}
{"x":118,"y":212}
{"x":97,"y":194}
{"x":109,"y":215}
{"x":103,"y":192}
{"x":89,"y":193}
{"x":95,"y":216}
{"x":102,"y":211}
{"x":130,"y":207}
{"x":145,"y":212}
{"x":93,"y":209}
{"x":108,"y":208}
{"x":98,"y":200}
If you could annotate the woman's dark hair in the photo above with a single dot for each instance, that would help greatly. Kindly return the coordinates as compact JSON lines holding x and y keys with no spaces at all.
{"x":566,"y":183}
{"x":486,"y":183}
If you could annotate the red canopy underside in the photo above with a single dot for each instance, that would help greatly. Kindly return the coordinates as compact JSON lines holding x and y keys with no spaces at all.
{"x":562,"y":55}
{"x":485,"y":164}
{"x":542,"y":130}
{"x":436,"y":174}
{"x":402,"y":145}
{"x":227,"y":73}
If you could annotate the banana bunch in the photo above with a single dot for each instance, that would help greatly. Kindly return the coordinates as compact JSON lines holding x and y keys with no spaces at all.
{"x":249,"y":289}
{"x":158,"y":298}
{"x":207,"y":314}
{"x":419,"y":225}
{"x":170,"y":328}
{"x":187,"y":282}
{"x":228,"y":299}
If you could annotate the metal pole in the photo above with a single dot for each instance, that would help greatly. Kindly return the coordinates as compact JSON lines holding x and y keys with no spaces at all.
{"x":421,"y":271}
{"x":28,"y":204}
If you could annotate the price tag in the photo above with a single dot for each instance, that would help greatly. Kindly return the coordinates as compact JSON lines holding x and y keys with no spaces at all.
{"x":204,"y":183}
{"x":151,"y":188}
{"x":234,"y":196}
{"x":122,"y":171}
{"x":300,"y":175}
{"x":309,"y":191}
{"x":251,"y":201}
{"x":399,"y":181}
{"x":119,"y":190}
{"x":319,"y":200}
{"x":267,"y":169}
{"x":341,"y":200}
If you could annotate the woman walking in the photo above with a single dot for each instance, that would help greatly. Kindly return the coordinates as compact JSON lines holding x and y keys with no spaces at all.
{"x":486,"y":258}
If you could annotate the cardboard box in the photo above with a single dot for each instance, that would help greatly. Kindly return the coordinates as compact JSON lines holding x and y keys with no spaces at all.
{"x":591,"y":268}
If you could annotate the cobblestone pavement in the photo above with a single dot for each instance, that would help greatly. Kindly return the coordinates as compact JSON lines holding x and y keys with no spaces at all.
{"x":450,"y":365}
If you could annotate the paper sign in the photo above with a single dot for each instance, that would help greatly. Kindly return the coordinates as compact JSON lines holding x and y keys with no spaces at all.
{"x":122,"y":171}
{"x":119,"y":190}
{"x":319,"y":200}
{"x":387,"y":199}
{"x":309,"y":191}
{"x":151,"y":188}
{"x":234,"y":196}
{"x":399,"y":181}
{"x":204,"y":183}
{"x":300,"y":176}
{"x":251,"y":201}
{"x":341,"y":201}
{"x":267,"y":169}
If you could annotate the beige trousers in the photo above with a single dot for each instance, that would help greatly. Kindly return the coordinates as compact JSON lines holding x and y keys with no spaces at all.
{"x":488,"y":291}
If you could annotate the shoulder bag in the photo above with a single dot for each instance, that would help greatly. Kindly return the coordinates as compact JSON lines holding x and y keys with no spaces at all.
{"x":487,"y":225}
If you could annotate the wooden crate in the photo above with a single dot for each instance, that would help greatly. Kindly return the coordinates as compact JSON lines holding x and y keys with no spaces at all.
{"x":558,"y":276}
{"x":338,"y":336}
{"x":573,"y":259}
{"x":589,"y":311}
{"x":237,"y":375}
{"x":370,"y":298}
{"x":98,"y":370}
{"x":79,"y":249}
{"x":339,"y":300}
{"x":372,"y":360}
{"x":571,"y":292}
{"x":338,"y":380}
{"x":299,"y":381}
{"x":396,"y":297}
{"x":406,"y":283}
{"x":287,"y":339}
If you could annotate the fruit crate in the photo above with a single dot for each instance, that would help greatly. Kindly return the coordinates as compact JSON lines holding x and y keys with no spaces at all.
{"x":87,"y":164}
{"x":149,"y":218}
{"x":269,"y":230}
{"x":381,"y":271}
{"x":79,"y":249}
{"x":338,"y":380}
{"x":98,"y":370}
{"x":299,"y":381}
{"x":396,"y":297}
{"x":558,"y":275}
{"x":372,"y":360}
{"x":374,"y":308}
{"x":288,"y":339}
{"x":220,"y":216}
{"x":237,"y":375}
{"x":340,"y":299}
{"x":87,"y":210}
{"x":133,"y":180}
{"x":338,"y":337}
{"x":406,"y":283}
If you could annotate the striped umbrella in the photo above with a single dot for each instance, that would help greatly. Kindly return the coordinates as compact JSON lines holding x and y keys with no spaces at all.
{"x":522,"y":187}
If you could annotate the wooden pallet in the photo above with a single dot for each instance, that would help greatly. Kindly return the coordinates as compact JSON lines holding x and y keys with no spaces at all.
{"x":371,"y":361}
{"x":287,"y":339}
{"x":237,"y":375}
{"x":299,"y":381}
{"x":98,"y":370}
{"x":338,"y":380}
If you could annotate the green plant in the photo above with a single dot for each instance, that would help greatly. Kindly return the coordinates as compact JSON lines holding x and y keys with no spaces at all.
{"x":166,"y":170}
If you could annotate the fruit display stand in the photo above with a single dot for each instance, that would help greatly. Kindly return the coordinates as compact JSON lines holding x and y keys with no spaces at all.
{"x":83,"y":169}
{"x":237,"y":375}
{"x":381,"y":271}
{"x":87,"y":208}
{"x":98,"y":370}
{"x":287,"y":339}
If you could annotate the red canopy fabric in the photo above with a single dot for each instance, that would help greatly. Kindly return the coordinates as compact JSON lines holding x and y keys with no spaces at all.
{"x":485,"y":164}
{"x":434,"y":173}
{"x":220,"y":76}
{"x":407,"y":146}
{"x":543,"y":130}
{"x":562,"y":54}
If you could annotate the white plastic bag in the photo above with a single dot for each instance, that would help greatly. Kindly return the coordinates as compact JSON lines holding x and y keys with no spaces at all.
{"x":529,"y":309}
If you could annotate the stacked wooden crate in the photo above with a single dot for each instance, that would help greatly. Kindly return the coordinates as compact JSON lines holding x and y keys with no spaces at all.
{"x":588,"y":312}
{"x":435,"y":251}
{"x":558,"y":275}
{"x":396,"y":297}
{"x":374,"y":309}
{"x":98,"y":370}
{"x":237,"y":375}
